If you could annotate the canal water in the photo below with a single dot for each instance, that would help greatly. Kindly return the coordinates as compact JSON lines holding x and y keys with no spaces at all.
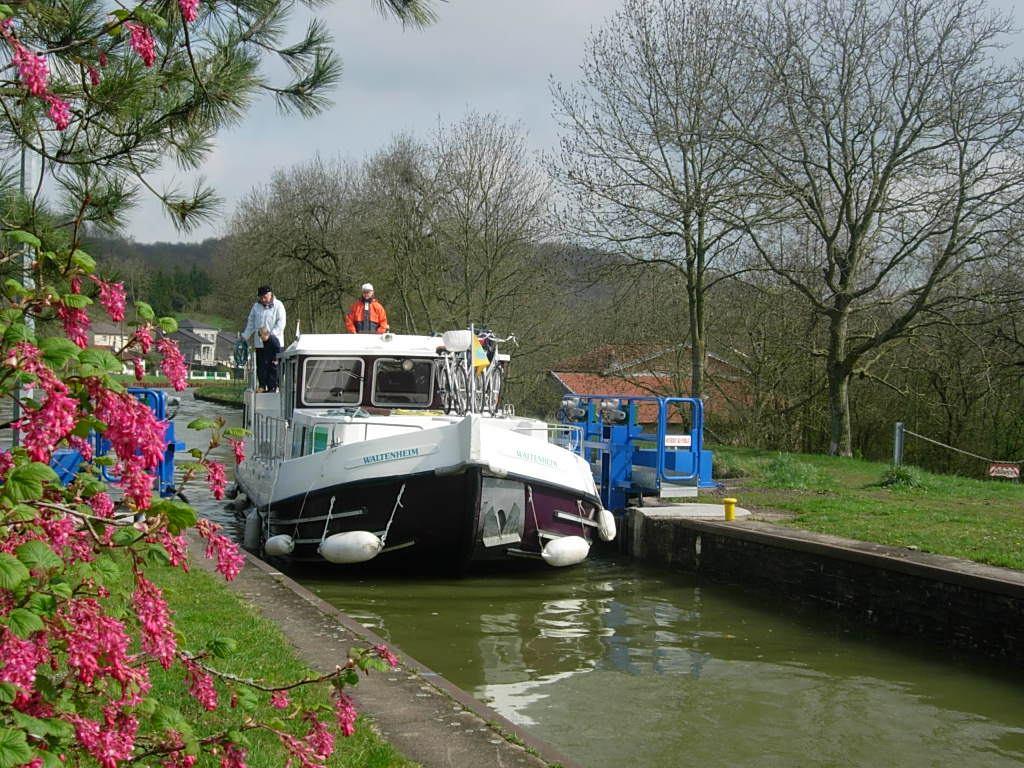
{"x":619,"y":664}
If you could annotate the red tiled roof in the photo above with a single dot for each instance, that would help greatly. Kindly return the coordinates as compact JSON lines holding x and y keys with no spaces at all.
{"x":620,"y":386}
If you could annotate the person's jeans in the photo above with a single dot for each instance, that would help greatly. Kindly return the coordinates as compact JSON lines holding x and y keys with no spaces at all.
{"x":266,"y":364}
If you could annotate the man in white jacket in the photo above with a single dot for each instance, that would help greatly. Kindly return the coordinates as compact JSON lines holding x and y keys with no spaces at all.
{"x":265,"y":331}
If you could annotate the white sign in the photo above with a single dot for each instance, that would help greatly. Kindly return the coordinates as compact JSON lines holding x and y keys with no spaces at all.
{"x":678,"y":441}
{"x":1001,"y":469}
{"x":401,"y":454}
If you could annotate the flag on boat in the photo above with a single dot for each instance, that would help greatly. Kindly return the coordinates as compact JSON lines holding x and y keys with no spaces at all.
{"x":480,"y":360}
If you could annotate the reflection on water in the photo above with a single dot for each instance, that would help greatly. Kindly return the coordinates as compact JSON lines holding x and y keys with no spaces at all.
{"x":618,"y":664}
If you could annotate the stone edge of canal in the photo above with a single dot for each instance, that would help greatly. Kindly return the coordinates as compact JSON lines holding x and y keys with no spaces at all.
{"x":424,"y":716}
{"x":949,"y":602}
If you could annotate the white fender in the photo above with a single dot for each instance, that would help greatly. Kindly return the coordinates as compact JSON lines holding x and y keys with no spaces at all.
{"x":279,"y":546}
{"x":568,"y":550}
{"x":251,"y":537}
{"x":351,"y":547}
{"x":606,"y":525}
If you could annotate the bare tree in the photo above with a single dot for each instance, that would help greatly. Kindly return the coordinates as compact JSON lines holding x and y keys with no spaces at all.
{"x":648,"y":171}
{"x":894,"y":151}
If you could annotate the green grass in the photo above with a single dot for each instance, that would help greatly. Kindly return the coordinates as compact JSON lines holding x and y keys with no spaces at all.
{"x":981,"y":520}
{"x":228,"y":393}
{"x":205,"y":609}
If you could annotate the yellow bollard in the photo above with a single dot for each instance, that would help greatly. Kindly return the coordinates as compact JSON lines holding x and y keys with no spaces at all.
{"x":730,"y":509}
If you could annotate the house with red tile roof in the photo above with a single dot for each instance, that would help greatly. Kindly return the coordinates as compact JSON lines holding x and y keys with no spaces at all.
{"x":625,"y":370}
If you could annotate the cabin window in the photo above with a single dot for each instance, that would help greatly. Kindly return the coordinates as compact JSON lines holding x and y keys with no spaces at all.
{"x":403,"y":382}
{"x":332,"y":381}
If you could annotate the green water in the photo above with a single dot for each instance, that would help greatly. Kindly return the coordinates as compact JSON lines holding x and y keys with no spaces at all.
{"x":618,"y":665}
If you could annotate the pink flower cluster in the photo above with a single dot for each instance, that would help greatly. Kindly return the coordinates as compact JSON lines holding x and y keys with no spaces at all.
{"x":112,"y":297}
{"x":110,"y":741}
{"x":102,"y":505}
{"x":173,"y":363}
{"x":385,"y":653}
{"x":51,"y":422}
{"x":155,"y":619}
{"x":200,"y":685}
{"x":319,"y":738}
{"x":131,"y":427}
{"x":144,"y":338}
{"x":239,"y":448}
{"x":21,"y":658}
{"x":216,"y":477}
{"x":279,"y":699}
{"x":76,"y":324}
{"x":345,"y":712}
{"x":219,"y":546}
{"x":32,"y":69}
{"x":189,"y":9}
{"x":142,"y":42}
{"x":234,"y":756}
{"x":34,"y":73}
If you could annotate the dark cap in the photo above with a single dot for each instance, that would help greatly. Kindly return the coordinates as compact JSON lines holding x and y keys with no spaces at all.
{"x":262,"y":290}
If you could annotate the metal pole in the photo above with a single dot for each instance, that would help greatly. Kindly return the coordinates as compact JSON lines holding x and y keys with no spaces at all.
{"x":897,"y":445}
{"x":25,"y":264}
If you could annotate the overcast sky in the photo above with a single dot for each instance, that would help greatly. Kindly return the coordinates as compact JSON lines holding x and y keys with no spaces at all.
{"x":486,"y":55}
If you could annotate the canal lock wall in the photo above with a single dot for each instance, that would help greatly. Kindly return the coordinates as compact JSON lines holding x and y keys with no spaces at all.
{"x":946,"y":601}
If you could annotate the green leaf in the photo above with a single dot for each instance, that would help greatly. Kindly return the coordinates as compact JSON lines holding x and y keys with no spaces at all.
{"x":23,"y":237}
{"x":167,"y":324}
{"x":23,"y":622}
{"x":125,"y":536}
{"x":14,"y":749}
{"x":202,"y":423}
{"x":222,"y":647}
{"x":106,"y":568}
{"x":82,"y":259}
{"x":57,"y":350}
{"x":12,"y":572}
{"x":50,"y":760}
{"x":75,"y":300}
{"x":179,"y":515}
{"x":7,"y":693}
{"x":62,"y":589}
{"x":38,"y":554}
{"x":247,"y":700}
{"x":25,"y":482}
{"x":13,"y":288}
{"x":18,"y":331}
{"x":144,"y":310}
{"x":100,"y":358}
{"x":42,"y":604}
{"x":5,"y":11}
{"x":236,"y":432}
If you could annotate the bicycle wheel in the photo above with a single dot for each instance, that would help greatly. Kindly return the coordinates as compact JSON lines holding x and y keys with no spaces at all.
{"x":460,"y":390}
{"x":444,"y":388}
{"x":492,"y":391}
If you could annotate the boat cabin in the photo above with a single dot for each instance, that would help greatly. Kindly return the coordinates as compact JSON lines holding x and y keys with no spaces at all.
{"x":374,"y":372}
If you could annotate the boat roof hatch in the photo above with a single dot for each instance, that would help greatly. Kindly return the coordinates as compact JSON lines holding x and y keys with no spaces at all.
{"x":383,"y":344}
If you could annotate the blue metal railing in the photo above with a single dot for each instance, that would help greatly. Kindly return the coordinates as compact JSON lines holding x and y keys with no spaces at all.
{"x":617,"y":446}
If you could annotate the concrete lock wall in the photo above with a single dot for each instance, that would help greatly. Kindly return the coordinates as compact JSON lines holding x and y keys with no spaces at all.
{"x":951,"y":602}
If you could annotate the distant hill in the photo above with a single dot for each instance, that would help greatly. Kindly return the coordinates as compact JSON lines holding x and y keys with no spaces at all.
{"x":165,"y":256}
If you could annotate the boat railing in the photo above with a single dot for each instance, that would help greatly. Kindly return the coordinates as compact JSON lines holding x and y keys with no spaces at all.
{"x":270,"y":436}
{"x":565,"y":436}
{"x":340,"y":432}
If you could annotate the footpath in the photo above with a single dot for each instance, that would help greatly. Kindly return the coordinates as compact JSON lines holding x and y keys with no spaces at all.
{"x":423,"y":715}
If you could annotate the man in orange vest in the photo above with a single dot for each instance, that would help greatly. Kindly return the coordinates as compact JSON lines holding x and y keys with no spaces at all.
{"x":366,"y":315}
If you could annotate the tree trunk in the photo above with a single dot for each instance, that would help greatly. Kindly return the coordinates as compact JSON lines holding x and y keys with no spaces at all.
{"x":698,"y":344}
{"x":839,"y":370}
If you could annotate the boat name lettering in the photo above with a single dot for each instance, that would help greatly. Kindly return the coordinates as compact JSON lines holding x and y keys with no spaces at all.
{"x":396,"y":455}
{"x":536,"y":458}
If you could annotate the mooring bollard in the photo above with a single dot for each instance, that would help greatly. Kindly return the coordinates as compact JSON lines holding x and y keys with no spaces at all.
{"x":730,"y":509}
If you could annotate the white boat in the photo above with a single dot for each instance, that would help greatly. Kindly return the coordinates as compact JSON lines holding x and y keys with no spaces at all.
{"x":354,"y":459}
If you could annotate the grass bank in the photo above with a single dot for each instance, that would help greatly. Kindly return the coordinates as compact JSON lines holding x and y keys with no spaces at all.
{"x":981,"y":520}
{"x":204,"y":609}
{"x":225,"y":393}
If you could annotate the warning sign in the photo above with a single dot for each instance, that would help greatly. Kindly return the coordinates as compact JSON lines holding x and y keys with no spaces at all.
{"x":1002,"y":469}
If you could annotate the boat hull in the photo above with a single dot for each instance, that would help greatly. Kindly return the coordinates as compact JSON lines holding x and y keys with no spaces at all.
{"x":449,"y":522}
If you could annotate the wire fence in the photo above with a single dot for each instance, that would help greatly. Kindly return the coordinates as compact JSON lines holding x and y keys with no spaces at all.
{"x":1009,"y":468}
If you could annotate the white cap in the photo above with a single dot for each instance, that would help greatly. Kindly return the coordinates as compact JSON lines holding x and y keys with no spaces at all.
{"x":367,"y":286}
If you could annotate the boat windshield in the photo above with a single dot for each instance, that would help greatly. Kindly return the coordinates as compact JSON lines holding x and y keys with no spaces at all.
{"x":332,"y":380}
{"x":403,"y":381}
